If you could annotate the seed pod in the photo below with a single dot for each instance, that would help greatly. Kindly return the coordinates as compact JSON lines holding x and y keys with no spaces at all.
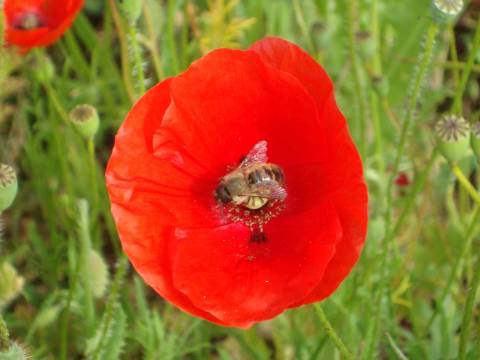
{"x":11,"y":284}
{"x":453,"y":134}
{"x":475,"y":139}
{"x":8,"y":186}
{"x":446,"y":10}
{"x":85,"y":119}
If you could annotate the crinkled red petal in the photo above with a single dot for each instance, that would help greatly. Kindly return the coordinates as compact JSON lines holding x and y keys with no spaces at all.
{"x":145,"y":228}
{"x":223,"y":272}
{"x":345,"y":180}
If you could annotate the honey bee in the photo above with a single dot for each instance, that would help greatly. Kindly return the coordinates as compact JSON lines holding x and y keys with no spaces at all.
{"x":254,"y":182}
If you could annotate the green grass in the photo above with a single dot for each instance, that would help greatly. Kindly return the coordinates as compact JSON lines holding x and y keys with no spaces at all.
{"x":412,"y":294}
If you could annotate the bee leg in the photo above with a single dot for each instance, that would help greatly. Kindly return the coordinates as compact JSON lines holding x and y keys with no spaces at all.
{"x":258,"y":236}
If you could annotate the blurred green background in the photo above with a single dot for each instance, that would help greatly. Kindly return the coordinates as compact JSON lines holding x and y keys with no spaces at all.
{"x":65,"y":292}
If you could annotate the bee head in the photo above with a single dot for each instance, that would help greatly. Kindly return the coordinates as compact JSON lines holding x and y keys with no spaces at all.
{"x":222,"y":194}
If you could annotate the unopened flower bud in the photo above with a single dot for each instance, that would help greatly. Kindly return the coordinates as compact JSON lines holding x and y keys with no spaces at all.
{"x":43,"y":69}
{"x":454,"y":135}
{"x":475,"y":139}
{"x":132,"y":9}
{"x":100,"y":276}
{"x":8,"y":186}
{"x":85,"y":119}
{"x":446,"y":10}
{"x":11,"y":284}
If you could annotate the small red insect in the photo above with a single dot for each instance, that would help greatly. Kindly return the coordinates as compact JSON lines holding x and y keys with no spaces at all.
{"x":402,"y":179}
{"x":37,"y":23}
{"x":236,"y":188}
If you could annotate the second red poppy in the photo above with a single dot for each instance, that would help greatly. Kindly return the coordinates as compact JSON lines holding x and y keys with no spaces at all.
{"x":37,"y":23}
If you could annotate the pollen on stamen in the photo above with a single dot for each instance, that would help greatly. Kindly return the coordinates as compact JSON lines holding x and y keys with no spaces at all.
{"x":255,"y":220}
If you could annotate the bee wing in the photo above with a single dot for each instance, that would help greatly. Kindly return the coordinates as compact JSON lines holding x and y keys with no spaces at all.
{"x":258,"y":154}
{"x":269,"y":189}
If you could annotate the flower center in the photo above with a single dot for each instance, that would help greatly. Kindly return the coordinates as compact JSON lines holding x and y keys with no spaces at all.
{"x":28,"y":21}
{"x":255,"y":219}
{"x":252,"y":194}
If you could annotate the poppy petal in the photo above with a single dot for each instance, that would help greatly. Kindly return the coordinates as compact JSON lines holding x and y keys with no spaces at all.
{"x":223,"y":272}
{"x":345,"y":175}
{"x":144,"y":227}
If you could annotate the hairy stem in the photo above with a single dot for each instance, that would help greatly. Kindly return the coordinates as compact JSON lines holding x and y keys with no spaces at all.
{"x":331,"y":333}
{"x":4,"y":336}
{"x":468,"y":313}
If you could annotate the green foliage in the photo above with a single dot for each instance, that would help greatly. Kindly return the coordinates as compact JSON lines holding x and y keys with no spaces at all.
{"x":391,"y":66}
{"x":109,"y":338}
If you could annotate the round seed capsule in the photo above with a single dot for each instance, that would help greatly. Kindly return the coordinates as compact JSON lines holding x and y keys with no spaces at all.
{"x":446,"y":10}
{"x":453,"y":133}
{"x":85,"y":119}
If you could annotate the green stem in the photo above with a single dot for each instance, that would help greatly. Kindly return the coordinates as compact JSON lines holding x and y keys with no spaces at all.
{"x":112,"y":298}
{"x":303,"y":25}
{"x":123,"y":51}
{"x":374,"y":98}
{"x":171,"y":42}
{"x":466,"y":184}
{"x":352,"y":15}
{"x":469,"y":235}
{"x":86,"y":246}
{"x":4,"y":336}
{"x":93,"y":173}
{"x":137,"y":58}
{"x":468,"y":314}
{"x":152,"y":40}
{"x":331,"y":333}
{"x":457,"y":102}
{"x":57,"y":104}
{"x":421,"y":73}
{"x":417,"y":82}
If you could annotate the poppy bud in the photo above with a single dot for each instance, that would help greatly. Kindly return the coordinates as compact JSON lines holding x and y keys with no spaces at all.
{"x":11,"y":284}
{"x":85,"y":119}
{"x":446,"y":10}
{"x":44,"y":70}
{"x":8,"y":186}
{"x":453,"y":133}
{"x":132,"y":9}
{"x":99,"y":271}
{"x":475,"y":139}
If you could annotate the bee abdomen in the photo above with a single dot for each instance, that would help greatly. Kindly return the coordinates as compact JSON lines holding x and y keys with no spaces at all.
{"x":278,"y":174}
{"x":265,"y":173}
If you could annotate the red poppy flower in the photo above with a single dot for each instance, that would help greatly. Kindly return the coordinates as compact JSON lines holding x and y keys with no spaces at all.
{"x":240,"y":111}
{"x":34,"y":23}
